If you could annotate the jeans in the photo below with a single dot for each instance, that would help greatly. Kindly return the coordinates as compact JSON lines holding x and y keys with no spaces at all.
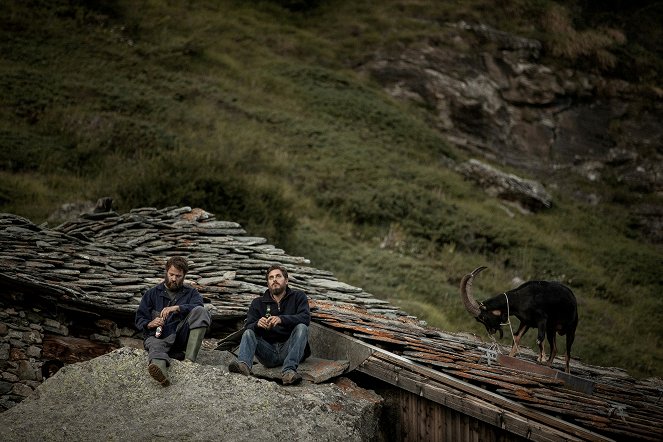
{"x":289,"y":353}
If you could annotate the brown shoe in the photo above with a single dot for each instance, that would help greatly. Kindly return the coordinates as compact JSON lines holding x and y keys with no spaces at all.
{"x":156,"y":373}
{"x":291,"y":377}
{"x":239,"y":367}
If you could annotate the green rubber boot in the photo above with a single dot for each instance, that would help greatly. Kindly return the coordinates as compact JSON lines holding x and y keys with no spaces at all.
{"x":158,"y":369}
{"x":196,"y":336}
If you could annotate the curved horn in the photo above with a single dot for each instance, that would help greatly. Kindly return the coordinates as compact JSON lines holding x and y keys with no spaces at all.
{"x":470,"y":303}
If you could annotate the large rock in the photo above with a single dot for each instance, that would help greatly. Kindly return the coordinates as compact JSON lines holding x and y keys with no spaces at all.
{"x":529,"y":195}
{"x":112,"y":397}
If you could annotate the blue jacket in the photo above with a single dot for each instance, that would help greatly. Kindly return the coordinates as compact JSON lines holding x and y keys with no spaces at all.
{"x":156,"y":298}
{"x":293,"y":311}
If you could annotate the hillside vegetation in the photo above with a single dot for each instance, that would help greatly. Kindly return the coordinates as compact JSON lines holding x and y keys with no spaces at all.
{"x":254,"y":111}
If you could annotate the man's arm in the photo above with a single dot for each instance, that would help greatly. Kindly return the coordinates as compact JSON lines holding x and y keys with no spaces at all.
{"x":189,"y":301}
{"x":143,"y":314}
{"x":253,"y":315}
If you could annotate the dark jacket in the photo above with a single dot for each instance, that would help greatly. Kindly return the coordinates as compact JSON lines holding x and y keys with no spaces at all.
{"x":293,"y":311}
{"x":156,"y":298}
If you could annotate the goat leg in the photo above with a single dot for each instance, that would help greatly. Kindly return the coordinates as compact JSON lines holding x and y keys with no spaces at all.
{"x":522,"y":329}
{"x":539,"y":341}
{"x":568,"y":369}
{"x":552,"y":340}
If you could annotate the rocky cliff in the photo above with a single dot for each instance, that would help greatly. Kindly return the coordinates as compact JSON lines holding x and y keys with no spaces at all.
{"x":490,"y":93}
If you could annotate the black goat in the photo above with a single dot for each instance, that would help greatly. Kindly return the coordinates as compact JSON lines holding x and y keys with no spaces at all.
{"x":551,"y":307}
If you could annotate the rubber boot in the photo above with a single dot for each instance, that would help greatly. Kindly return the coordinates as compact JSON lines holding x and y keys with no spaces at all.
{"x":158,"y":369}
{"x":196,"y":336}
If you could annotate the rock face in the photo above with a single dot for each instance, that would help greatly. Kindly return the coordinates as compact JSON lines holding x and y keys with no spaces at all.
{"x":112,"y":397}
{"x":487,"y":92}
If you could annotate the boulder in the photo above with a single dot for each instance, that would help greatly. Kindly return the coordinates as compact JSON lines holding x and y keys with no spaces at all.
{"x":529,"y":195}
{"x":112,"y":397}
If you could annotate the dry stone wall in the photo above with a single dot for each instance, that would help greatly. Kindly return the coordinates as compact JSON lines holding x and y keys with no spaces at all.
{"x":34,"y":344}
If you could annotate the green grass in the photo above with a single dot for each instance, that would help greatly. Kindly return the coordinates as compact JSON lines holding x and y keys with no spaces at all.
{"x":259,"y":115}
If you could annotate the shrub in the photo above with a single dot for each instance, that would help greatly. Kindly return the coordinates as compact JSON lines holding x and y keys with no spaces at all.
{"x":593,"y":45}
{"x":190,"y":178}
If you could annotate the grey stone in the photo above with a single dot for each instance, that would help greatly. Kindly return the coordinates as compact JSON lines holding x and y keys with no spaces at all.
{"x":15,"y":334}
{"x":5,"y":387}
{"x":33,"y":351}
{"x":59,"y":330}
{"x":32,"y":337}
{"x":26,"y":372}
{"x":99,"y":337}
{"x":10,"y":377}
{"x":529,"y":194}
{"x":314,"y":370}
{"x":21,"y":390}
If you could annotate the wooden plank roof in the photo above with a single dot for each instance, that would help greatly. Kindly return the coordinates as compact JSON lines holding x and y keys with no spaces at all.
{"x":104,"y":262}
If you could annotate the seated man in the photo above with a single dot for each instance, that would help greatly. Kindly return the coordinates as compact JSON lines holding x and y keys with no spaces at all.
{"x":276,"y":330}
{"x":172,"y":318}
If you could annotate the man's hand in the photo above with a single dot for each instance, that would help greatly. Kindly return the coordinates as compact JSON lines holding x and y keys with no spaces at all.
{"x":268,"y":323}
{"x":156,"y":322}
{"x":168,"y":310}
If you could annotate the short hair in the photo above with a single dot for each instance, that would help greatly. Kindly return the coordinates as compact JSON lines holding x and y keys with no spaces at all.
{"x":276,"y":267}
{"x":179,"y":263}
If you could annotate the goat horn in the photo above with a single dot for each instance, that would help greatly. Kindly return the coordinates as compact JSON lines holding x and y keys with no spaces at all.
{"x":470,"y":303}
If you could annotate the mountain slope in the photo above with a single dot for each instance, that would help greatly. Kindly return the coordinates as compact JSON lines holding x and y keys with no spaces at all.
{"x":257,"y":113}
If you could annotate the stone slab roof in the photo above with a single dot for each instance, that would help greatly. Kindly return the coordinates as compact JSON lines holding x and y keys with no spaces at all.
{"x":104,"y":262}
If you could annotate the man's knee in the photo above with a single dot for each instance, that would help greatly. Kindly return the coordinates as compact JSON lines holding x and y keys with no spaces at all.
{"x":199,"y":317}
{"x":300,"y":331}
{"x":154,"y":343}
{"x":249,"y":334}
{"x":199,"y":310}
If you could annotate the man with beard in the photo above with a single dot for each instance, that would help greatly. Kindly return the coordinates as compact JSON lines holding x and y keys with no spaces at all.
{"x":173,"y":319}
{"x":276,"y":330}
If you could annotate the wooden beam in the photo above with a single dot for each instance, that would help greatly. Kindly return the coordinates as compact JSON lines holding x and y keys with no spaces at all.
{"x":71,"y":350}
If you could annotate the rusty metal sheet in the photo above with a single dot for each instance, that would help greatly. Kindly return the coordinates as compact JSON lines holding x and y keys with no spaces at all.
{"x":331,"y":344}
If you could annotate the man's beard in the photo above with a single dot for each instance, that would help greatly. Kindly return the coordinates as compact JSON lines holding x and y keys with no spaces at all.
{"x":276,"y":291}
{"x":174,"y":285}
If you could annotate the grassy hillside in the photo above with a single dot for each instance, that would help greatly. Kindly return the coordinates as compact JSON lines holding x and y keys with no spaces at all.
{"x":254,"y":112}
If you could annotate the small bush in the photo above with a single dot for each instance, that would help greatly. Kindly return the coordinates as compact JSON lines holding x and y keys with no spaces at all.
{"x":565,"y":41}
{"x":189,"y":178}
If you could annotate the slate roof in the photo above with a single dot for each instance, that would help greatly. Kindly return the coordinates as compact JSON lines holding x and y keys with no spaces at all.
{"x":104,"y":262}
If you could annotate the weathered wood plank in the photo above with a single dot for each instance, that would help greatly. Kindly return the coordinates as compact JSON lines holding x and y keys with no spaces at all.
{"x":492,"y":398}
{"x":464,"y":403}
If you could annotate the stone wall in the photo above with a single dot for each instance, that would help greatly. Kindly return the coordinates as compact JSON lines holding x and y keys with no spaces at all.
{"x":35,"y":342}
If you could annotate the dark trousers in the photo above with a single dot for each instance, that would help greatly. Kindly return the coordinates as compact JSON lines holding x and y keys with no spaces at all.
{"x":167,"y":347}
